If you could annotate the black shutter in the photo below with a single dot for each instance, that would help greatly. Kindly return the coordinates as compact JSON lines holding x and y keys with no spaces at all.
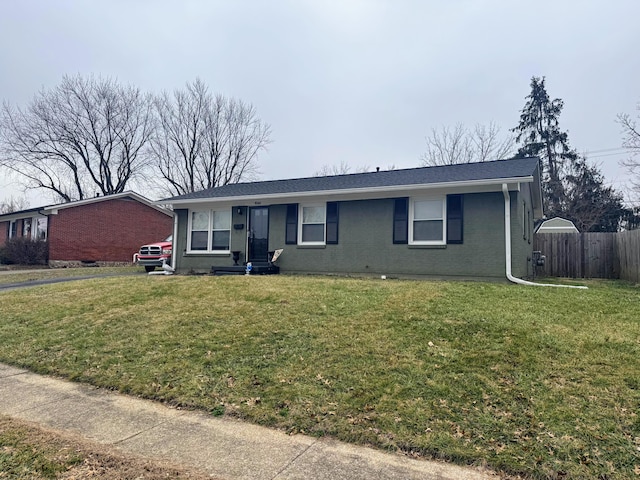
{"x":291,"y":233}
{"x":454,"y":219}
{"x":332,"y":222}
{"x":401,"y":220}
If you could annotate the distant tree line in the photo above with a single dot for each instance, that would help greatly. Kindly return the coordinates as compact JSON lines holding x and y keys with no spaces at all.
{"x":12,"y":204}
{"x":572,"y":186}
{"x":94,"y":136}
{"x":89,"y":136}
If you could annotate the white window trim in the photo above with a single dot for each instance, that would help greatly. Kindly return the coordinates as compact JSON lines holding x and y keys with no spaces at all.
{"x":13,"y":224}
{"x":34,"y":228}
{"x":209,"y":232}
{"x":300,"y":217}
{"x":30,"y":235}
{"x":443,"y":201}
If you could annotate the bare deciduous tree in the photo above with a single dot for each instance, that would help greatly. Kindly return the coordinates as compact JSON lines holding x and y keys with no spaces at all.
{"x":489,"y":145}
{"x":449,"y":146}
{"x":203,"y":141}
{"x":343,"y":168}
{"x":176,"y":142}
{"x":13,"y":204}
{"x":631,"y":141}
{"x":81,"y":137}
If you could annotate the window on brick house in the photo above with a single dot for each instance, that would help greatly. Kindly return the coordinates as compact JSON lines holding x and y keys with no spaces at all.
{"x":41,"y":228}
{"x":26,"y":228}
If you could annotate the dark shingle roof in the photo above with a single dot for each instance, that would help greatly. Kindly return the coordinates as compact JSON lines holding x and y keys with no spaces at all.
{"x":513,"y":168}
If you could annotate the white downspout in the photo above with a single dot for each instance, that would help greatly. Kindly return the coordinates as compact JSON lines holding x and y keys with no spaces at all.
{"x":507,"y":246}
{"x":173,"y":241}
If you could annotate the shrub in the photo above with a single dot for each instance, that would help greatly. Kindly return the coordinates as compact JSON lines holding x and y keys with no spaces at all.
{"x":23,"y":251}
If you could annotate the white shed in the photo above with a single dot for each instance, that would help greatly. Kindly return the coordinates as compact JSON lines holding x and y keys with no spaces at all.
{"x":557,"y":225}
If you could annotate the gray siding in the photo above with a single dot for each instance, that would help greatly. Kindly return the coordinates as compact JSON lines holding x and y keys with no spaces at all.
{"x":202,"y":263}
{"x":521,"y":235}
{"x":366,"y":246}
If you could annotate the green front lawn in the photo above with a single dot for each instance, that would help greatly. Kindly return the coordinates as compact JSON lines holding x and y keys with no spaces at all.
{"x":542,"y":382}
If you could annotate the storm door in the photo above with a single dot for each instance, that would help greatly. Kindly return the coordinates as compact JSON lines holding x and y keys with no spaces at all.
{"x":258,"y":233}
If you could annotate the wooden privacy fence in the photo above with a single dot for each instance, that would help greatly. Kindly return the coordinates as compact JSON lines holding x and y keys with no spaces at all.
{"x":590,"y":255}
{"x":628,"y":253}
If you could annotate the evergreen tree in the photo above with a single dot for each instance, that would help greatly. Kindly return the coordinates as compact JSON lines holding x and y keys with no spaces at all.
{"x":572,"y":188}
{"x":539,"y":135}
{"x":588,"y":203}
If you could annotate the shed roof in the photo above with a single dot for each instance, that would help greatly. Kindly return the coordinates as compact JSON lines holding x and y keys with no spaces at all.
{"x":557,"y":225}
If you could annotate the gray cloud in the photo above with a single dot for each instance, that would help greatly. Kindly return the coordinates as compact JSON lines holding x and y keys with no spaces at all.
{"x":358,"y":81}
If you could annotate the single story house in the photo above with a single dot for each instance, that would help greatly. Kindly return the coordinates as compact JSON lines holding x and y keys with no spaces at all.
{"x":106,"y":229}
{"x":471,"y":220}
{"x":557,"y":225}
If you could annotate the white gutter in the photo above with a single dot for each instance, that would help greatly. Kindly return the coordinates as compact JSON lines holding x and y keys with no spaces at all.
{"x":507,"y":245}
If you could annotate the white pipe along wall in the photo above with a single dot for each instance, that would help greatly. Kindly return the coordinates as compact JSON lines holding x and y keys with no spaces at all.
{"x":507,"y":244}
{"x":174,"y":236}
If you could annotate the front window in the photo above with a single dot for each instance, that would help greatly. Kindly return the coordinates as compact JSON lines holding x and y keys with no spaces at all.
{"x":312,"y":224}
{"x":427,"y":224}
{"x":13,"y":229}
{"x":199,"y":230}
{"x":221,"y":231}
{"x":41,"y":228}
{"x":210,"y":231}
{"x":26,"y":228}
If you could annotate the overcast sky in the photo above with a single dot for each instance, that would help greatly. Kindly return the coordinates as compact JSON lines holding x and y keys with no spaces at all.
{"x":362,"y":82}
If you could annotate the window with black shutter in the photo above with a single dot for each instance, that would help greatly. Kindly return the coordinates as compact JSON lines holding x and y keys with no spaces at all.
{"x":291,"y":234}
{"x":454,"y":219}
{"x":401,"y":220}
{"x":332,"y":222}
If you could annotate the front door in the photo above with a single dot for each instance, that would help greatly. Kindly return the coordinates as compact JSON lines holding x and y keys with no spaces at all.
{"x":258,"y":233}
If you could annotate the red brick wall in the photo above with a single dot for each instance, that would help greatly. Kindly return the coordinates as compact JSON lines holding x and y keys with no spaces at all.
{"x":4,"y":232}
{"x":107,"y":231}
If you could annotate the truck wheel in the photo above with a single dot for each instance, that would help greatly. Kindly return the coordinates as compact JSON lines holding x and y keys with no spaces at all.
{"x":149,"y":268}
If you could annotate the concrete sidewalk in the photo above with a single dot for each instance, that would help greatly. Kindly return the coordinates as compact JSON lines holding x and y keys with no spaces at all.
{"x":225,"y":448}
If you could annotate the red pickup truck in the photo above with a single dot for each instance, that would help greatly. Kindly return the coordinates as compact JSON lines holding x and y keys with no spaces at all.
{"x":155,"y":254}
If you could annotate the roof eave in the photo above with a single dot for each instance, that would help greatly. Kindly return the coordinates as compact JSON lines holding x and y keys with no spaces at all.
{"x":6,"y":217}
{"x":53,"y":209}
{"x":347,"y":191}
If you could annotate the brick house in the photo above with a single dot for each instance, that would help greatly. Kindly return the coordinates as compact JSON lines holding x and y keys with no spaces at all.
{"x":102,"y":229}
{"x":472,"y":220}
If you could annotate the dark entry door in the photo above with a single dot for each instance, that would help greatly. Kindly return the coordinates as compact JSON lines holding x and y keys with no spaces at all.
{"x":258,"y":232}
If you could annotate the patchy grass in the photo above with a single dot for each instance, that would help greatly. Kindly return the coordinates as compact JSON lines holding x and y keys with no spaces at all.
{"x":18,"y":276}
{"x":539,"y":382}
{"x":21,"y":456}
{"x":31,"y":452}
